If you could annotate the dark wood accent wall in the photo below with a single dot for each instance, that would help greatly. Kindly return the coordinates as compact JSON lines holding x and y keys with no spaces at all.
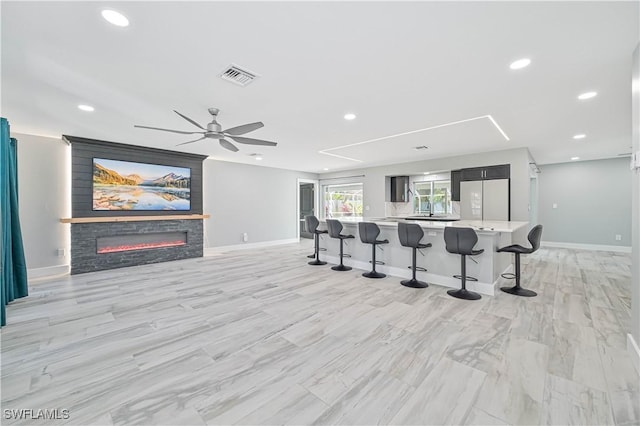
{"x":84,"y":150}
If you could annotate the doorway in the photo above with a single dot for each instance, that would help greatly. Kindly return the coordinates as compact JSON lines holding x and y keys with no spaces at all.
{"x":307,"y":199}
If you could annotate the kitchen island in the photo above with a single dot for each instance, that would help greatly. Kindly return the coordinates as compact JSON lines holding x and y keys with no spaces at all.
{"x":440,"y":264}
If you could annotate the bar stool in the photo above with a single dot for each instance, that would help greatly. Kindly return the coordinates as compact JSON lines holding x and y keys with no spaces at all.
{"x":534,"y":238}
{"x":461,"y":241}
{"x":315,"y":244}
{"x":312,"y":223}
{"x":369,"y":232}
{"x":410,"y":235}
{"x":335,"y":229}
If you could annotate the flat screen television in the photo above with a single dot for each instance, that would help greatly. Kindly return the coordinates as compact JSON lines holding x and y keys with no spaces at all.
{"x":125,"y":185}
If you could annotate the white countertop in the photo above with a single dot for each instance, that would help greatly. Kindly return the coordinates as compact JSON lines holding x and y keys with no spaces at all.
{"x":477,"y":225}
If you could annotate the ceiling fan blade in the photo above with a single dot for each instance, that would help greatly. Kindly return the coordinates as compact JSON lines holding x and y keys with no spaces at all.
{"x":245,"y":128}
{"x":189,"y":120}
{"x":167,"y":130}
{"x":228,"y":145}
{"x":184,"y":143}
{"x":251,"y":141}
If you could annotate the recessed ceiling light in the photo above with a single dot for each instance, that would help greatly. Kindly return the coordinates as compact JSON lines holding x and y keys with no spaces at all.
{"x":325,"y":169}
{"x":87,"y":108}
{"x":580,"y":136}
{"x":587,"y":95}
{"x":349,"y":116}
{"x":115,"y":18}
{"x":575,"y":158}
{"x":520,"y":63}
{"x":426,"y":173}
{"x":258,"y":158}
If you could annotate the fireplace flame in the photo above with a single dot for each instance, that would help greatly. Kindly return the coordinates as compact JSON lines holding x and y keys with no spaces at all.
{"x":140,"y":246}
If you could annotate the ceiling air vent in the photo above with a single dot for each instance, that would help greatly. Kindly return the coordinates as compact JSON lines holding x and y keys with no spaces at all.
{"x":237,"y":75}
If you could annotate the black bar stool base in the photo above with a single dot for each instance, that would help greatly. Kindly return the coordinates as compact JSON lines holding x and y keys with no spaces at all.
{"x":465,"y":294}
{"x":311,"y":256}
{"x":317,"y":262}
{"x":519,"y":291}
{"x":414,"y":283}
{"x":374,"y":274}
{"x":341,"y":268}
{"x":467,"y":278}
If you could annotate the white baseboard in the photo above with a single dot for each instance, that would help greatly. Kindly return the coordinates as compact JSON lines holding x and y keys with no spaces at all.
{"x":210,"y":251}
{"x":634,"y":351}
{"x":597,"y":247}
{"x":480,"y":287}
{"x":49,"y":271}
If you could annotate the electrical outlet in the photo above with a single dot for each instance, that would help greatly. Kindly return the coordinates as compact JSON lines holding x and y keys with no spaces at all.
{"x":618,"y":237}
{"x":555,"y":206}
{"x":431,"y":233}
{"x":60,"y":252}
{"x":245,"y":237}
{"x":366,"y":208}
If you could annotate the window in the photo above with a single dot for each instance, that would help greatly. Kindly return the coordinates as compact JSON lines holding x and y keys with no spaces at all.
{"x":432,"y":197}
{"x":343,"y":200}
{"x":422,"y":197}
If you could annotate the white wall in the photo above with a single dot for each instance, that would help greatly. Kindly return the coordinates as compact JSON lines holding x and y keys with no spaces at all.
{"x":635,"y":273}
{"x":374,"y":179}
{"x":260,"y":201}
{"x":593,"y":202}
{"x":44,"y":190}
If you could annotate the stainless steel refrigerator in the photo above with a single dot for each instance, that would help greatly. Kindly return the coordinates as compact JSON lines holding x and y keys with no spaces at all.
{"x":484,"y":199}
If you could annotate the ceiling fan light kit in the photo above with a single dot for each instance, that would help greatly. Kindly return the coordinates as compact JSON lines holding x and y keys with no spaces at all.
{"x":214,"y":131}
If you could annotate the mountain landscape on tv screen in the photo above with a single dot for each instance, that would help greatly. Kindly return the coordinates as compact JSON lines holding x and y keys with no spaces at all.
{"x":154,"y":187}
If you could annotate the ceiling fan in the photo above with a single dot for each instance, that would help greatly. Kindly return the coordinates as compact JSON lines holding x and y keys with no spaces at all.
{"x":214,"y":131}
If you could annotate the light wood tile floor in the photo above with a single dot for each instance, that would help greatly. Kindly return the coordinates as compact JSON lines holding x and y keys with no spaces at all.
{"x":260,"y":337}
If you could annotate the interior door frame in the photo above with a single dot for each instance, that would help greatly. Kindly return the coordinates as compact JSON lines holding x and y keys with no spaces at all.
{"x":316,"y":187}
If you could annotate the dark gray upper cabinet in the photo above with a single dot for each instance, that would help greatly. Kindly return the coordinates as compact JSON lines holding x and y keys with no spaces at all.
{"x":475,"y":173}
{"x":456,"y":175}
{"x":502,"y":171}
{"x":399,"y":189}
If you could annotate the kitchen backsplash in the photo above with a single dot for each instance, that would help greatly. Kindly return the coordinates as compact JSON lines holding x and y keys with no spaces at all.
{"x":398,"y":209}
{"x":455,"y":208}
{"x":406,"y":209}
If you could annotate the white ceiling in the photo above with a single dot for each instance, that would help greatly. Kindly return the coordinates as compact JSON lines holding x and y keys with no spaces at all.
{"x":400,"y":66}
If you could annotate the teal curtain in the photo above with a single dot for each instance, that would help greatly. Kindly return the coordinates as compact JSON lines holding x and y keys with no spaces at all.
{"x":13,"y":269}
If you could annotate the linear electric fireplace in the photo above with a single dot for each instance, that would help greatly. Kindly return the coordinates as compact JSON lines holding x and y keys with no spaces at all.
{"x":131,"y":242}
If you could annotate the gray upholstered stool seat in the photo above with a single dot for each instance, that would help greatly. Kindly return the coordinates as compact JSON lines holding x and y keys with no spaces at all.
{"x":461,"y":241}
{"x":335,"y":231}
{"x":410,"y":235}
{"x":534,"y":238}
{"x":312,"y":223}
{"x":369,"y":232}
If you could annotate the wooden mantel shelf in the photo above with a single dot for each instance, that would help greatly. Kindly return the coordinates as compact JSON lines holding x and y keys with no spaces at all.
{"x":133,"y":218}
